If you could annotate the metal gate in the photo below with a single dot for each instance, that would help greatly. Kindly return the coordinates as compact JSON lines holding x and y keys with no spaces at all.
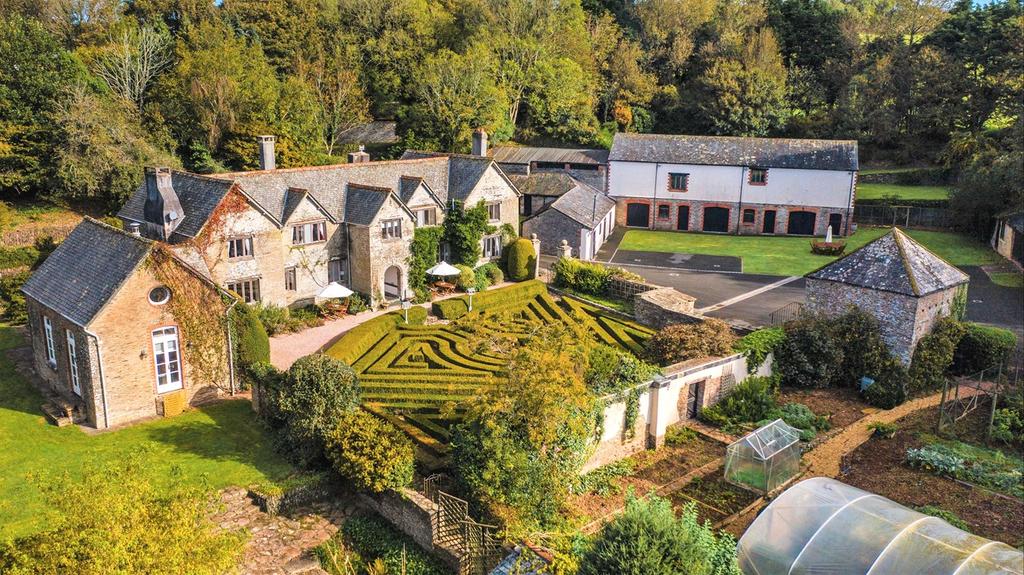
{"x":474,"y":544}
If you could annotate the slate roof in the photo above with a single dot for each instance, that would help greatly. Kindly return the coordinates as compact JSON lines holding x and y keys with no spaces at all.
{"x":409,"y":185}
{"x":363,"y":203}
{"x":88,"y":267}
{"x":894,"y":263}
{"x":733,"y":151}
{"x":464,"y":171}
{"x":528,"y":154}
{"x":584,"y":204}
{"x":544,"y":183}
{"x":199,"y":196}
{"x":1015,"y":220}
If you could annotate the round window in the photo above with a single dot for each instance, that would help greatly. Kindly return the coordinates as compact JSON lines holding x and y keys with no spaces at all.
{"x":159,"y":295}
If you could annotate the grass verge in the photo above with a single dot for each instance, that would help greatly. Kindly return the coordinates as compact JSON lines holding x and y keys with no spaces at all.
{"x":881,"y":191}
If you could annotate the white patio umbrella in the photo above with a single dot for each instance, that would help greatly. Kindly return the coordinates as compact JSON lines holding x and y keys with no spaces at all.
{"x":828,"y":235}
{"x":443,"y":269}
{"x":334,"y":290}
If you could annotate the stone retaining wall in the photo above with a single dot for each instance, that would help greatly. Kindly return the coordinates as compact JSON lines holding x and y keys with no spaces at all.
{"x":411,"y":513}
{"x":659,"y":307}
{"x":626,"y":289}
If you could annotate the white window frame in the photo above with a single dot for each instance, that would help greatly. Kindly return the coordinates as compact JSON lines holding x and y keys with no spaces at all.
{"x":250,"y":295}
{"x":309,"y":233}
{"x":162,"y":337}
{"x":241,"y":243}
{"x":76,"y":385}
{"x":336,"y":270}
{"x":494,"y":211}
{"x":494,"y":242}
{"x":391,"y":229}
{"x":51,"y":350}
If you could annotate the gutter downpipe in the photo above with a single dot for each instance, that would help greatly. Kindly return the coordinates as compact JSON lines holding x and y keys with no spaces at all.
{"x":99,"y":365}
{"x":654,"y":200}
{"x":739,"y":206}
{"x":849,"y":204}
{"x":231,"y":348}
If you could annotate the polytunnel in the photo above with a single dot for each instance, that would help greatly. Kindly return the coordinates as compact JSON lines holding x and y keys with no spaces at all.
{"x":765,"y":458}
{"x":821,"y":525}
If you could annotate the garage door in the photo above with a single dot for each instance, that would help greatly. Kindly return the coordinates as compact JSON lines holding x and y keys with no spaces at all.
{"x":716,"y":219}
{"x":801,"y":223}
{"x":638,"y":215}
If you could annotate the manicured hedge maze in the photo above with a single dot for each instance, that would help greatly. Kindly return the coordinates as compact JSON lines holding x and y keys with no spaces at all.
{"x":424,"y":373}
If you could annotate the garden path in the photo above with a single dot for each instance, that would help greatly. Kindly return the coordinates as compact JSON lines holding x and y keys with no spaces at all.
{"x":824,"y":460}
{"x":281,"y":544}
{"x":285,"y":349}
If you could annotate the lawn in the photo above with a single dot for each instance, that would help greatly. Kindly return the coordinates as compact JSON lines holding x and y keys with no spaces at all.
{"x":1008,"y":279}
{"x":221,"y":444}
{"x":791,"y":256}
{"x":880,"y":191}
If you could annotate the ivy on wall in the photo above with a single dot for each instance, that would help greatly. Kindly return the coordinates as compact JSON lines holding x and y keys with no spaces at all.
{"x":199,"y":310}
{"x":464,"y":229}
{"x":424,"y":252}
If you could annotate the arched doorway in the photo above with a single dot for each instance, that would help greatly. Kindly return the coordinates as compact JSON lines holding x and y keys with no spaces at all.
{"x":393,"y":282}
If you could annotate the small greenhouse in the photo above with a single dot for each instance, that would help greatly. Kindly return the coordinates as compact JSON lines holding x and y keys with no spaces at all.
{"x":821,"y":525}
{"x":764,"y":458}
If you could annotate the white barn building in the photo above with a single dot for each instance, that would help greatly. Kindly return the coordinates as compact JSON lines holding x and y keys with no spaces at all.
{"x":733,"y":185}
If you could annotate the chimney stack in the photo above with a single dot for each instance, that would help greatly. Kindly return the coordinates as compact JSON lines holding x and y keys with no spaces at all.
{"x":360,"y":157}
{"x":267,"y":159}
{"x":479,"y":142}
{"x":134,"y":229}
{"x":162,"y":209}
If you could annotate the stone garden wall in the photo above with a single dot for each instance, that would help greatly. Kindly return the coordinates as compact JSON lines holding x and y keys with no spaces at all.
{"x":662,"y":306}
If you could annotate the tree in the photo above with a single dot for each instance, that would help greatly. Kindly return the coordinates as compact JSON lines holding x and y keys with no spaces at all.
{"x":371,"y":452}
{"x":101,"y":150}
{"x":34,"y":74}
{"x":667,"y":30}
{"x":809,"y":356}
{"x":340,"y":101}
{"x":319,"y":391}
{"x":281,"y":27}
{"x":522,"y":443}
{"x":458,"y":94}
{"x":744,"y":94}
{"x":131,"y":62}
{"x":561,"y":101}
{"x":623,"y":80}
{"x":113,"y":519}
{"x":648,"y":539}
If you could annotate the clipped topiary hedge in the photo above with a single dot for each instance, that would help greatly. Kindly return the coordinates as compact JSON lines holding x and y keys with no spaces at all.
{"x":252,"y":345}
{"x":982,"y":347}
{"x":361,"y":338}
{"x":521,"y":260}
{"x":455,"y":308}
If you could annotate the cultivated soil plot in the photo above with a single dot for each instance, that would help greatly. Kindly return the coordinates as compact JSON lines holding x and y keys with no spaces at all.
{"x":841,"y":406}
{"x":879,"y":466}
{"x":716,"y":498}
{"x":651,"y":470}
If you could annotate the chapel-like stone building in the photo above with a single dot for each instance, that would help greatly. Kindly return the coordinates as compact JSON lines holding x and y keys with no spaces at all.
{"x":897,"y":280}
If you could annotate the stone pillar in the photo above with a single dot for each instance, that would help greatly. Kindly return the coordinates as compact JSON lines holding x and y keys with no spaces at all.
{"x":536,"y":253}
{"x":658,"y":412}
{"x":565,"y":250}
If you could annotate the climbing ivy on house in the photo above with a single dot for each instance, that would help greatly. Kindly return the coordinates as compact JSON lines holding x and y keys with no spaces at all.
{"x":424,"y":252}
{"x":464,"y":229}
{"x":199,"y":310}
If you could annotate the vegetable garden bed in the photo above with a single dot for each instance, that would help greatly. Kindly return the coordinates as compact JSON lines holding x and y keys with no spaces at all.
{"x":716,"y":498}
{"x":422,"y":373}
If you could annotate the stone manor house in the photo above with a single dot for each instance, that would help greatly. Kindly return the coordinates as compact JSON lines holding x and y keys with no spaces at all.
{"x":103,"y":333}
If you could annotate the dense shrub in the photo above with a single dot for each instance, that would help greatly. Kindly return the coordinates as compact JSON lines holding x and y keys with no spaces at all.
{"x":890,"y":387}
{"x":492,"y":272}
{"x":859,"y":336}
{"x":648,"y":538}
{"x":373,"y":538}
{"x":521,"y":260}
{"x":12,"y":301}
{"x":933,"y":356}
{"x":277,"y":320}
{"x":680,"y":342}
{"x":801,"y":417}
{"x":481,"y":279}
{"x":809,"y":355}
{"x":371,"y":452}
{"x":358,"y":303}
{"x":752,"y":400}
{"x":1008,"y":421}
{"x":466,"y":278}
{"x":983,"y":347}
{"x":268,"y":382}
{"x":756,"y":346}
{"x":319,"y":390}
{"x":252,"y":345}
{"x":584,"y":277}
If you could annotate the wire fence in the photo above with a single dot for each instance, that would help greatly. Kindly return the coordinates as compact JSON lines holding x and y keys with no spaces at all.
{"x":904,"y":216}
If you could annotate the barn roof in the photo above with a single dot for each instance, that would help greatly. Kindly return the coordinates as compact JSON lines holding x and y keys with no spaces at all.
{"x":528,"y":154}
{"x":734,"y":151}
{"x":584,"y":204}
{"x":894,"y":263}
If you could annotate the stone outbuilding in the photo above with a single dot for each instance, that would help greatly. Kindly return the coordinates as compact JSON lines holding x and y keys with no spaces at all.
{"x":897,"y":280}
{"x":106,"y":342}
{"x":582,"y":216}
{"x":1008,"y":239}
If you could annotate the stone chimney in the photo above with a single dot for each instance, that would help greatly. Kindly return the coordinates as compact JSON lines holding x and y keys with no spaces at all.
{"x":268,"y":160}
{"x":479,"y":142}
{"x":162,"y":209}
{"x":360,"y":157}
{"x":134,"y":229}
